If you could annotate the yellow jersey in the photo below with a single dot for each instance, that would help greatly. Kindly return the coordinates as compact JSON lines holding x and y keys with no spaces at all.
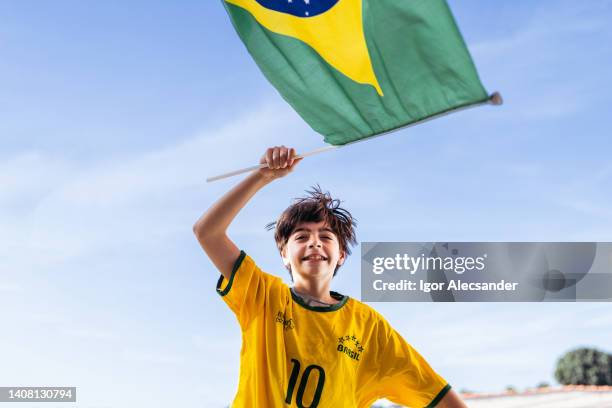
{"x":341,"y":356}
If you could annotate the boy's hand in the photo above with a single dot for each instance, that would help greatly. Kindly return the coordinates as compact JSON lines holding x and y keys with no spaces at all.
{"x":211,"y":228}
{"x":280,"y":160}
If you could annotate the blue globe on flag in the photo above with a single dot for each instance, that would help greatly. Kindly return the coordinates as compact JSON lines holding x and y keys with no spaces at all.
{"x":299,"y":8}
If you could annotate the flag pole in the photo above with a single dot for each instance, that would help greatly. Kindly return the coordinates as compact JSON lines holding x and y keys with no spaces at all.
{"x":263,"y":165}
{"x":494,"y":99}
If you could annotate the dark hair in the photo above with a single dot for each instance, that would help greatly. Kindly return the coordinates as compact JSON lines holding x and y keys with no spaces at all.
{"x":317,"y":206}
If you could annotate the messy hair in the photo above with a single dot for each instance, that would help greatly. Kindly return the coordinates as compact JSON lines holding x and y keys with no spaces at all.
{"x":317,"y":206}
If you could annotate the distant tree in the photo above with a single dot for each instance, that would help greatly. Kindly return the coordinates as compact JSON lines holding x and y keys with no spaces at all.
{"x":543,"y":384}
{"x":510,"y":389}
{"x":584,"y":366}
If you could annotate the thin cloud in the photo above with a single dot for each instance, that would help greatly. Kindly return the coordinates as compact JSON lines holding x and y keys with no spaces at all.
{"x":552,"y":41}
{"x":151,"y":357}
{"x":82,"y":209}
{"x":92,"y":334}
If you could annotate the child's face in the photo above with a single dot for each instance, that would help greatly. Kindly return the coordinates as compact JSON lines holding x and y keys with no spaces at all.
{"x":312,"y":251}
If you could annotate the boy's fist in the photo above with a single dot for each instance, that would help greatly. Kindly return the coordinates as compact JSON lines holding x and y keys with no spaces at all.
{"x":281,"y":161}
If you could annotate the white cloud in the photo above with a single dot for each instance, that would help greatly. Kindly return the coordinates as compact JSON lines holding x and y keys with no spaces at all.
{"x":151,"y":357}
{"x":95,"y":334}
{"x":588,"y":196}
{"x":602,"y":322}
{"x":26,"y":178}
{"x":79,"y":208}
{"x":10,"y":287}
{"x":544,"y":67}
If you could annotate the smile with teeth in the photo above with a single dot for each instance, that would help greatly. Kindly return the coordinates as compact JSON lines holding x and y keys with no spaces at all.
{"x":314,"y":258}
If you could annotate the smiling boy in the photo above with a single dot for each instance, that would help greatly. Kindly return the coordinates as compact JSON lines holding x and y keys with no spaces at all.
{"x":308,"y":346}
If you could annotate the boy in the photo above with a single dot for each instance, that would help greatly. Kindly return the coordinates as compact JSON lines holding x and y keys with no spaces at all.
{"x":307,"y":346}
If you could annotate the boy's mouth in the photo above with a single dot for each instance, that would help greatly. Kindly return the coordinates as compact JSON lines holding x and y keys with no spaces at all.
{"x":314,"y":257}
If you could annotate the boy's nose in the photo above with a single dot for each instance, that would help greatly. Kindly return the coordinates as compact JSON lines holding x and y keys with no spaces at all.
{"x":314,"y":242}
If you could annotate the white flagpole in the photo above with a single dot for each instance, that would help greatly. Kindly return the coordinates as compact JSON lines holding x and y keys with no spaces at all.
{"x":494,"y":99}
{"x":261,"y":166}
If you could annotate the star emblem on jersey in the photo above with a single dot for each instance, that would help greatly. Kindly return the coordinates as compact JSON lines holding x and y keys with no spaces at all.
{"x":350,"y":346}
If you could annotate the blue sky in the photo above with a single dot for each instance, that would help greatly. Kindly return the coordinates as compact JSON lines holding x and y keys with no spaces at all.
{"x":112,"y":114}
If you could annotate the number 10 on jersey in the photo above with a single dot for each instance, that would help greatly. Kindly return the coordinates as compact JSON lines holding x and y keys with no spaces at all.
{"x":305,"y":375}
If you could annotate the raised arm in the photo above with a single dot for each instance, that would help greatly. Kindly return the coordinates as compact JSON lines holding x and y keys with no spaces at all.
{"x":211,"y":228}
{"x":451,"y":400}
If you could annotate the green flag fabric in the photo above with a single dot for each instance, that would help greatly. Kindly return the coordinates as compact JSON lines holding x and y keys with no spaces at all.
{"x":353,"y":69}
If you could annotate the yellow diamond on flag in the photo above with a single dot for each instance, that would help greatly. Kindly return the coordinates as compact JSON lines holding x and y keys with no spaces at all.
{"x":336,"y":34}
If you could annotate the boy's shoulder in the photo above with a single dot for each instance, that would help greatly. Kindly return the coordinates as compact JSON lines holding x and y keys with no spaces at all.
{"x":249,"y":262}
{"x":246,"y":272}
{"x":245,"y":261}
{"x":367,"y":312}
{"x":377,"y":326}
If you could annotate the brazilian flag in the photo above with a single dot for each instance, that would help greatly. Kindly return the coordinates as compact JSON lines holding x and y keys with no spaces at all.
{"x":357,"y":68}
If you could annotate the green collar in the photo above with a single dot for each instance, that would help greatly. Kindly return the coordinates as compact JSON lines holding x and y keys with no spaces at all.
{"x":342,"y":300}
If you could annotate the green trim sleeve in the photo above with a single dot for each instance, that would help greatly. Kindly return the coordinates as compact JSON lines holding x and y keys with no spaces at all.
{"x":231,"y":279}
{"x":439,"y":397}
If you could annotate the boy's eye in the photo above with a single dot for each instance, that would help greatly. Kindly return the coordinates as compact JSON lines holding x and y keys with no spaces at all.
{"x":326,"y":237}
{"x":300,"y":237}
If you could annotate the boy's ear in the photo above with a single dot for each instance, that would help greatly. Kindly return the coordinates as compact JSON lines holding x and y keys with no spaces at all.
{"x":283,"y":254}
{"x":342,"y":258}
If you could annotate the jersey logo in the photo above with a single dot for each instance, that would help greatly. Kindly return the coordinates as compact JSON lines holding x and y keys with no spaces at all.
{"x":350,"y":346}
{"x":287,"y":323}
